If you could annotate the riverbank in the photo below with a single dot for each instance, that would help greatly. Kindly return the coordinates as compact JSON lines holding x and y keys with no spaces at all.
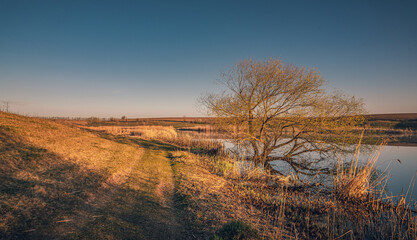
{"x":216,"y":194}
{"x":398,"y":129}
{"x":61,"y":181}
{"x":220,"y":198}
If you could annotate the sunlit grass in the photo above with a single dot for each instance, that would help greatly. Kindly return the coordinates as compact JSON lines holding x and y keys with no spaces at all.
{"x":71,"y":143}
{"x":61,"y":179}
{"x":217,"y":191}
{"x":169,"y":135}
{"x":356,"y":180}
{"x":48,"y":170}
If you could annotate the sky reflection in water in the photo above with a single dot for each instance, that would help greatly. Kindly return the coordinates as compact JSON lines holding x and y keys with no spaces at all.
{"x":398,"y":162}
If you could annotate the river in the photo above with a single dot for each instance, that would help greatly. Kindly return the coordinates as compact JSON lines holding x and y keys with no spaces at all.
{"x":399,"y":163}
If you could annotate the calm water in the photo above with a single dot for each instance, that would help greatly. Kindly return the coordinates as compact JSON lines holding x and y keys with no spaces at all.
{"x":399,"y":164}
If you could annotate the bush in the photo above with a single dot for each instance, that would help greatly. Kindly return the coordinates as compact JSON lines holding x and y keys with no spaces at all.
{"x":236,"y":230}
{"x":93,"y":121}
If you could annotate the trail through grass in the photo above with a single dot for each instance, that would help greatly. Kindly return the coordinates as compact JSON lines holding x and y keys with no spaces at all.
{"x":140,"y":208}
{"x":60,"y":182}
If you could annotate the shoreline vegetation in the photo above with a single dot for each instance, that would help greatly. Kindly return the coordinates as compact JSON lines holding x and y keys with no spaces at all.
{"x":354,"y":206}
{"x":397,"y":129}
{"x":75,"y":180}
{"x":392,"y":130}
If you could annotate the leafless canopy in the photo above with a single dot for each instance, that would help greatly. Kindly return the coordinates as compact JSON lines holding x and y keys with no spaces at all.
{"x":271,"y":105}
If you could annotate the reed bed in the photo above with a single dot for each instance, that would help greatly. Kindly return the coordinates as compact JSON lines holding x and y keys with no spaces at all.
{"x":356,"y":180}
{"x":218,"y":190}
{"x":352,"y":206}
{"x":168,"y":134}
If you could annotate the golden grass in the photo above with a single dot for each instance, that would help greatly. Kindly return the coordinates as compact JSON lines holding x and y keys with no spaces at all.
{"x":213,"y":200}
{"x":355,"y":181}
{"x":166,"y":134}
{"x":72,"y":144}
{"x":216,"y":192}
{"x":48,"y":170}
{"x":147,"y":132}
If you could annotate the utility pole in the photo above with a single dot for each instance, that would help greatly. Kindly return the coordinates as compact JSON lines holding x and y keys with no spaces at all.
{"x":5,"y":106}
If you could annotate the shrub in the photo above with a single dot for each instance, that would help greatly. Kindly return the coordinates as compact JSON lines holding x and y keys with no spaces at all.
{"x":236,"y":230}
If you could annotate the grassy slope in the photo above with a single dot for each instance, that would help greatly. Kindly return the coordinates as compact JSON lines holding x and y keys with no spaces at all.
{"x":62,"y":182}
{"x":214,"y":200}
{"x":214,"y":195}
{"x":59,"y":181}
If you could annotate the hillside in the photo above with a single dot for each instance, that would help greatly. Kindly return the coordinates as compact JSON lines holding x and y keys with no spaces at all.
{"x":59,"y":181}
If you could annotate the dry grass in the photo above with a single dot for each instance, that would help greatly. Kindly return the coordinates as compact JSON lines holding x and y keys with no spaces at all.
{"x":356,"y":181}
{"x":215,"y":191}
{"x":214,"y":200}
{"x":70,"y":143}
{"x":53,"y":177}
{"x":57,"y":181}
{"x":147,"y":132}
{"x":167,"y":134}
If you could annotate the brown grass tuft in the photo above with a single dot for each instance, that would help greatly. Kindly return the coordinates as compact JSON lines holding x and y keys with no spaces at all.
{"x":355,"y":182}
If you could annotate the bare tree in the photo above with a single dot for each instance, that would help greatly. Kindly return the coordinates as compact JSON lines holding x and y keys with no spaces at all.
{"x":271,"y":105}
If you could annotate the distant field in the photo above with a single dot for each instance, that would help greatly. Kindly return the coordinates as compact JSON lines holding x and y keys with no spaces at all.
{"x":176,"y":122}
{"x":400,"y":128}
{"x":389,"y":121}
{"x":210,"y":120}
{"x":392,"y":116}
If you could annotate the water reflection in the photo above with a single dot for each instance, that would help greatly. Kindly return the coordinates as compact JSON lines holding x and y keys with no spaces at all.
{"x":398,"y":162}
{"x":401,"y":164}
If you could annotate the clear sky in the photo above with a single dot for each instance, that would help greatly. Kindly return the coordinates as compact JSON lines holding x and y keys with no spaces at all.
{"x":154,"y":58}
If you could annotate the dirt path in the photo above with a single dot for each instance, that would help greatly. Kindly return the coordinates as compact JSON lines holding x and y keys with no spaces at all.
{"x":141,"y":207}
{"x":61,"y":182}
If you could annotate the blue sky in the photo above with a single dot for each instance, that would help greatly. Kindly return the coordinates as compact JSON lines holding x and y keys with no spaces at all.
{"x":154,"y":58}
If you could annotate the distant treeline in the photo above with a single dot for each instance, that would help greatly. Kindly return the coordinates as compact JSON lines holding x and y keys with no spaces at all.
{"x":403,"y":121}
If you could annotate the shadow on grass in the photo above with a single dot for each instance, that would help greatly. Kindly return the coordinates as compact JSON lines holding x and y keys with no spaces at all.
{"x":147,"y":144}
{"x":37,"y":188}
{"x":130,"y":215}
{"x":44,"y":196}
